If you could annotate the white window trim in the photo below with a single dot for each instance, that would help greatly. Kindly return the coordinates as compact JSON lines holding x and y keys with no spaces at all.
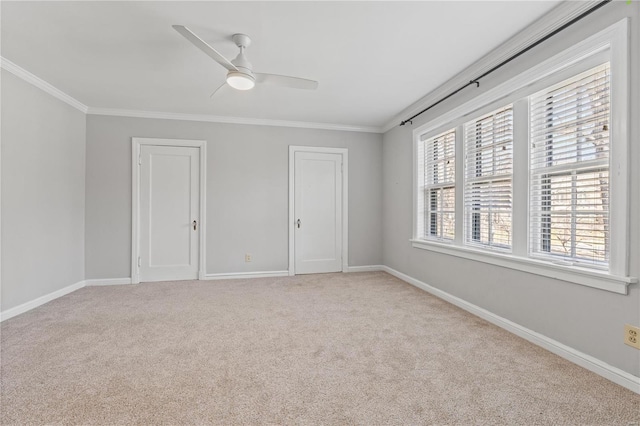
{"x":615,"y":41}
{"x":573,"y":274}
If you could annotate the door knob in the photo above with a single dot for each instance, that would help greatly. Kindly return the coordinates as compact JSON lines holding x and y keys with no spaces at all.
{"x":298,"y":222}
{"x":195,"y":224}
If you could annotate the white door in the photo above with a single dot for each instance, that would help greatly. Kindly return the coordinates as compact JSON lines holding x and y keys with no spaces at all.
{"x":169,"y":212}
{"x":318,"y":212}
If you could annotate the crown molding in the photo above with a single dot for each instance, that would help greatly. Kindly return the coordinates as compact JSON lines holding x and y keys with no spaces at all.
{"x":230,"y":120}
{"x":555,"y":18}
{"x":59,"y":94}
{"x":41,"y":84}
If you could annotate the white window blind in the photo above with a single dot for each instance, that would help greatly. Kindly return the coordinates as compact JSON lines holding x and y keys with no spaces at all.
{"x":488,"y":179}
{"x":439,"y":185}
{"x":569,"y":183}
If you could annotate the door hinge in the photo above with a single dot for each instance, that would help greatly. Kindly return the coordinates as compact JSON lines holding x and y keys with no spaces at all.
{"x":341,"y":167}
{"x":139,"y":159}
{"x":139,"y":261}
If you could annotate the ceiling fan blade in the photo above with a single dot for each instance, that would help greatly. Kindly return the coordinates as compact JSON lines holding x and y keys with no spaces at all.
{"x":200,"y":44}
{"x":219,"y":87}
{"x":286,"y":81}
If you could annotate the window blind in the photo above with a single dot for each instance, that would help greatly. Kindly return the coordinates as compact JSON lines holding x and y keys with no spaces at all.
{"x":439,"y":178}
{"x":569,"y":183}
{"x":488,"y":179}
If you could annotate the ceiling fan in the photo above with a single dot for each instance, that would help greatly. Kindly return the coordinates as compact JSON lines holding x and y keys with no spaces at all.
{"x":240,"y":74}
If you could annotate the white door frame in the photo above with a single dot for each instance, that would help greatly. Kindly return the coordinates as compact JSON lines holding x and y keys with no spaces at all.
{"x":344,"y":152}
{"x":136,"y":144}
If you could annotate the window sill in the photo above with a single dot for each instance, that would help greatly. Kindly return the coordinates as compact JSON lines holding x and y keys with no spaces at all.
{"x":573,"y":274}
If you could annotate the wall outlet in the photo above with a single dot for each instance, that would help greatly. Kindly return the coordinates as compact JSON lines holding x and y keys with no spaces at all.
{"x":632,"y":336}
{"x":247,"y":257}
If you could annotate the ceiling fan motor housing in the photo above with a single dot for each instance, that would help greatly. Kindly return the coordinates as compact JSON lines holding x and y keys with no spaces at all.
{"x":241,"y":62}
{"x":243,"y":73}
{"x":243,"y":78}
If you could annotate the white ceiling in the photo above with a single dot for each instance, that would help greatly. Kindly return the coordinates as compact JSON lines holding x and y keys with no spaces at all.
{"x":372,"y":59}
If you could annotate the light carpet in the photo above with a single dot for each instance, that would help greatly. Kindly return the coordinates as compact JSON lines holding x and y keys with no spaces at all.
{"x":361,"y":348}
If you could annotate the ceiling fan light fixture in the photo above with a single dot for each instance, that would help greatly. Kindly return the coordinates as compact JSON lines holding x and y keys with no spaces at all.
{"x":240,"y":81}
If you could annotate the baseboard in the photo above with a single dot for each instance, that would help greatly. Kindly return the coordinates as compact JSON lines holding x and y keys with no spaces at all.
{"x":20,"y":309}
{"x":108,"y":281}
{"x":242,"y":275}
{"x":595,"y":365}
{"x":366,"y":268}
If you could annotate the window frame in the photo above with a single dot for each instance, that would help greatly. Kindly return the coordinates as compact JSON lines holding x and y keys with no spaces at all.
{"x":425,"y":209}
{"x":570,"y":170}
{"x":610,"y":43}
{"x":493,"y":178}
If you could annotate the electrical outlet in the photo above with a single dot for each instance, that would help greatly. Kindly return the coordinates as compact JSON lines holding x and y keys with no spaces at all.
{"x":632,"y":336}
{"x":247,"y":257}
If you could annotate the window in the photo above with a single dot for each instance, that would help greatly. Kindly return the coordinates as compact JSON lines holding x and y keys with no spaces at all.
{"x":439,"y":185}
{"x":569,"y":183}
{"x":488,"y":177}
{"x":533,"y":174}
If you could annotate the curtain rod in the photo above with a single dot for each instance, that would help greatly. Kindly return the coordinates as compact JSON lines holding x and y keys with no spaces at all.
{"x":476,"y":80}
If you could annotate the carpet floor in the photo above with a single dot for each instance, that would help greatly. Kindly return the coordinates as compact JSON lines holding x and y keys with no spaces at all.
{"x":363,"y":348}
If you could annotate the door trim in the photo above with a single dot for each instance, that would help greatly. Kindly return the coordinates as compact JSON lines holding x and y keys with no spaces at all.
{"x":344,"y":152}
{"x":136,"y":144}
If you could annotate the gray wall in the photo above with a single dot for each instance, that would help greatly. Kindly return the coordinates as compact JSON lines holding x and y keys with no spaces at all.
{"x":43,"y":163}
{"x":247,"y":192}
{"x":586,"y":319}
